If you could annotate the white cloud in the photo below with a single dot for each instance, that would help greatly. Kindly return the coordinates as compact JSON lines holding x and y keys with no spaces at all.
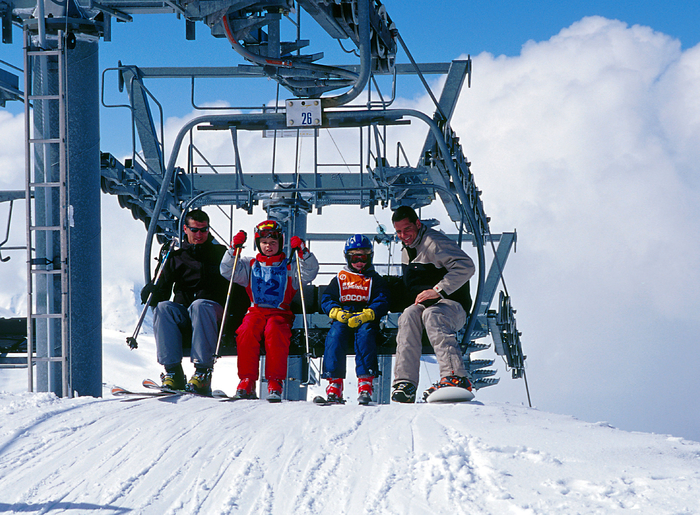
{"x":587,"y":143}
{"x":11,"y":151}
{"x":12,"y":272}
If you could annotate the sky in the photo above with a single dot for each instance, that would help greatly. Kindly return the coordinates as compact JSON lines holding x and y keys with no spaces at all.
{"x":582,"y":125}
{"x":191,"y":455}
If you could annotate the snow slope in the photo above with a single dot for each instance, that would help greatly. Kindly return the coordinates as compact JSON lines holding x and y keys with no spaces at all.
{"x":196,"y":455}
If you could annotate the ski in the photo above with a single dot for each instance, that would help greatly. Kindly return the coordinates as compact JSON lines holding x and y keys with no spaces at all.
{"x":364,"y":399}
{"x":273,"y":398}
{"x":152,"y":385}
{"x":128,"y":395}
{"x":322,"y":401}
{"x":234,"y":398}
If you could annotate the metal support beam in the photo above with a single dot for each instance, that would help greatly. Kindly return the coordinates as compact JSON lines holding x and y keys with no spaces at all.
{"x":142,"y":119}
{"x":382,"y":386}
{"x":505,"y":245}
{"x":250,"y":71}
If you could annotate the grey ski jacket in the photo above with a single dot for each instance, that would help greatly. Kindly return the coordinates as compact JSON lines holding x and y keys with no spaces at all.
{"x":433,"y":260}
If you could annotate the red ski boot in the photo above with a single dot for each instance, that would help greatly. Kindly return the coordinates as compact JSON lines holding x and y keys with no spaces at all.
{"x":334,"y":391}
{"x":274,"y":390}
{"x":246,"y":389}
{"x":364,"y":388}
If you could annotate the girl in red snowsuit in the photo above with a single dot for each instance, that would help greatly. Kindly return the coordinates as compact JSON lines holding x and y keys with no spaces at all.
{"x":271,"y":285}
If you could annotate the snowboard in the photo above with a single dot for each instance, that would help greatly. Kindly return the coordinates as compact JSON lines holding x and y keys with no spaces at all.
{"x":448,"y":394}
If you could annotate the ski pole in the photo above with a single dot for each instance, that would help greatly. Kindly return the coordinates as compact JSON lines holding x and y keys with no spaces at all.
{"x":306,"y":327}
{"x":131,"y":340}
{"x":237,"y":252}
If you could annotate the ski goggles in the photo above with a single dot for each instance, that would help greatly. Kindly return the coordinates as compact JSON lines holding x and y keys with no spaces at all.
{"x":198,"y":229}
{"x":269,"y":234}
{"x":359,"y":258}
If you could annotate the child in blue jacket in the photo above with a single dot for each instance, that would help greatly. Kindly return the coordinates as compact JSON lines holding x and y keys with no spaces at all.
{"x":356,"y":299}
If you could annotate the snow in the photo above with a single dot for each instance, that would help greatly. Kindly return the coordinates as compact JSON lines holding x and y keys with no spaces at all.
{"x":191,"y":455}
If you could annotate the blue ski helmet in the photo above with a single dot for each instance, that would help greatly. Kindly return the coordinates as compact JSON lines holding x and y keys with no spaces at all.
{"x":359,"y":242}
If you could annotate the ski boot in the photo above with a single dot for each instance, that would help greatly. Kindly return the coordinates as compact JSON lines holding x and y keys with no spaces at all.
{"x":334,"y":391}
{"x":274,"y":390}
{"x":173,"y":379}
{"x":246,"y":389}
{"x":200,"y":383}
{"x":364,"y":388}
{"x":455,"y":381}
{"x":404,"y":392}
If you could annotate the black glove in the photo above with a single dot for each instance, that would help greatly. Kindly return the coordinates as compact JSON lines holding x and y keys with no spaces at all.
{"x":146,"y":291}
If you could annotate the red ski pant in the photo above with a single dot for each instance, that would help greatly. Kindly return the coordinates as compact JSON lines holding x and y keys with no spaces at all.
{"x":275,"y":327}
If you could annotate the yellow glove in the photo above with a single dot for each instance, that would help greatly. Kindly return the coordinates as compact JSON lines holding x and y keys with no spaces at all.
{"x":340,"y":315}
{"x":358,"y":319}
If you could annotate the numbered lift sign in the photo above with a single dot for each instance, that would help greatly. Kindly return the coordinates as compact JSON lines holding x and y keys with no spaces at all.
{"x":303,"y":113}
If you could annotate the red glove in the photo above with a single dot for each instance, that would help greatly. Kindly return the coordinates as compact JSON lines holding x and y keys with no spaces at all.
{"x":238,"y":239}
{"x":298,"y":244}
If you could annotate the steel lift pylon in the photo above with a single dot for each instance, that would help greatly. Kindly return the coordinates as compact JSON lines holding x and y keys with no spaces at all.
{"x":158,"y":192}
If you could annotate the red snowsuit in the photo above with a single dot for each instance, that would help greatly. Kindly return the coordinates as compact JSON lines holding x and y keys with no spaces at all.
{"x":275,"y":326}
{"x":271,"y":285}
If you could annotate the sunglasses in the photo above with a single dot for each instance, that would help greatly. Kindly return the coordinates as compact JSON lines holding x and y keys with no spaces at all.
{"x":197,"y":229}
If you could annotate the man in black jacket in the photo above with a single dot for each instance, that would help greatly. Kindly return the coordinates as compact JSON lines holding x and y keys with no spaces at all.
{"x":192,"y":274}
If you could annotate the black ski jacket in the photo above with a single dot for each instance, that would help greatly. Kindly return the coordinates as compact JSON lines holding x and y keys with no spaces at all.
{"x":192,"y":272}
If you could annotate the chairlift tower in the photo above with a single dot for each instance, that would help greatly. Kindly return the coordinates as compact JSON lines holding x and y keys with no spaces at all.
{"x":65,"y":167}
{"x":62,"y":195}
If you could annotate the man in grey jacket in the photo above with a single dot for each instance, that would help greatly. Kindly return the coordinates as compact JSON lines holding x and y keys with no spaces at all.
{"x":436,"y":274}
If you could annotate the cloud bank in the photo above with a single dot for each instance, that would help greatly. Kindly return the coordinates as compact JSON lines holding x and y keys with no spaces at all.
{"x":588,"y":143}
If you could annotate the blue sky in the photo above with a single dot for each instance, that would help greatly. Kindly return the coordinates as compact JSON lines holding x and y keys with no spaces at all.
{"x":438,"y":34}
{"x":441,"y":33}
{"x":583,"y":133}
{"x":450,"y":28}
